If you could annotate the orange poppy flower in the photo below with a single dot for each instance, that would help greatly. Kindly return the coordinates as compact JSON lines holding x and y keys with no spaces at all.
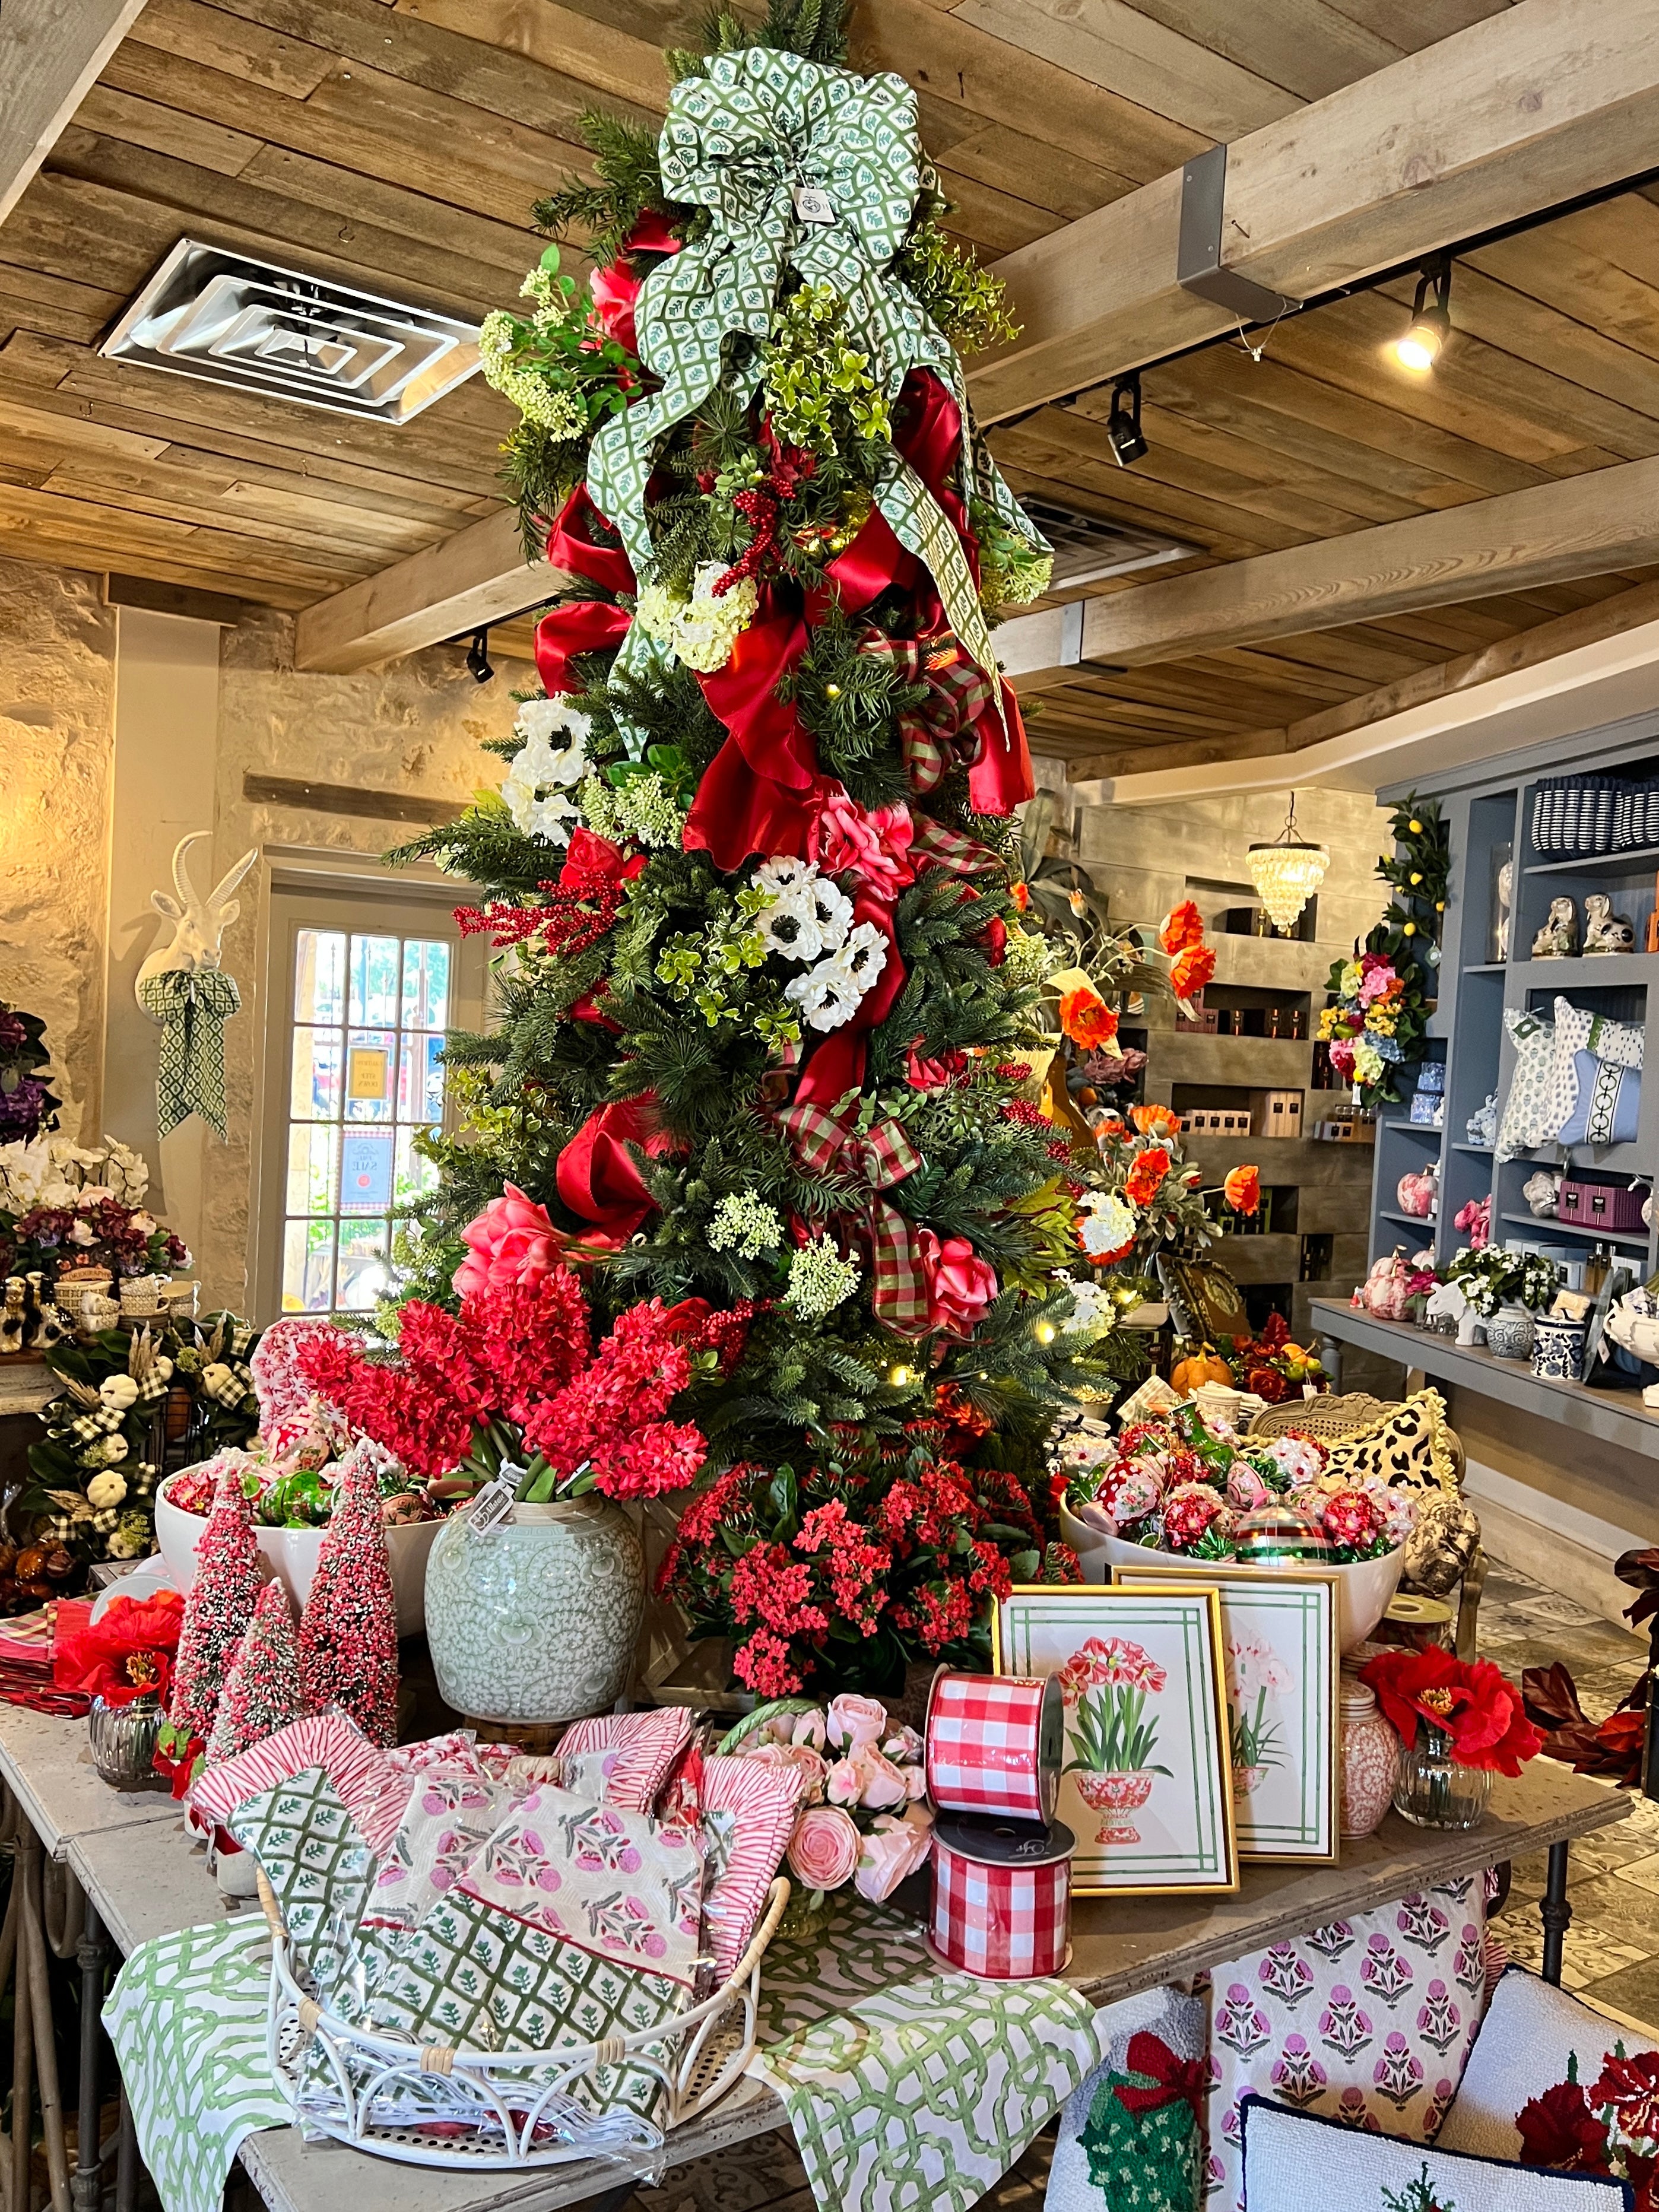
{"x":1193,"y":966}
{"x":1242,"y":1190}
{"x":1155,"y":1120}
{"x":1085,"y":1017}
{"x":1021,"y":896}
{"x":1147,"y":1175}
{"x":1182,"y":926}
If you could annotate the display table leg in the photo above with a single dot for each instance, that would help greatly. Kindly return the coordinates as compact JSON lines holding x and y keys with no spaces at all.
{"x":127,"y":2167}
{"x":88,"y":2183}
{"x":1555,"y":1912}
{"x":1330,"y":1358}
{"x":32,"y":1962}
{"x":22,"y":2044}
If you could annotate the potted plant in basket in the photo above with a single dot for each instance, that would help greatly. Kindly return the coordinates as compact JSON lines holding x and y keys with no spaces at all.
{"x":1106,"y":1686}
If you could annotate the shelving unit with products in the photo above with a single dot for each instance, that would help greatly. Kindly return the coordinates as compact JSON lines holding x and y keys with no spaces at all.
{"x":1495,"y":816}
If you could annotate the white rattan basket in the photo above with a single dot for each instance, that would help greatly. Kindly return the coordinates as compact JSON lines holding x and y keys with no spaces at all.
{"x":485,"y":2109}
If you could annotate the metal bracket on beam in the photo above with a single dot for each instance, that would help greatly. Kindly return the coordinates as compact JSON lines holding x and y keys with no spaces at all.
{"x":1197,"y":258}
{"x":1070,"y":643}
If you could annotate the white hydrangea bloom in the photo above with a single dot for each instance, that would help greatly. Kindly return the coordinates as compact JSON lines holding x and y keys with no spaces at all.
{"x":702,"y":630}
{"x":1106,"y":1222}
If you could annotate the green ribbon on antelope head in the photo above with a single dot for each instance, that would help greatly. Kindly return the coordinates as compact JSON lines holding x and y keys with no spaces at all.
{"x":800,"y":167}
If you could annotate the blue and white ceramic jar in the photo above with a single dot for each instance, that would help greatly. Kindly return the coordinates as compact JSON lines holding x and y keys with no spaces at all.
{"x":1558,"y":1349}
{"x":1510,"y":1332}
{"x":535,"y":1620}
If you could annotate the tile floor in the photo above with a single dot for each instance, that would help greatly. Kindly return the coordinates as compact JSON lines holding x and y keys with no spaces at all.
{"x":1612,"y":1952}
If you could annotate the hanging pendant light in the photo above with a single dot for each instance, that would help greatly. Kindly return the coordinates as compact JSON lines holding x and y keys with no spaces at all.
{"x":1287,"y":872}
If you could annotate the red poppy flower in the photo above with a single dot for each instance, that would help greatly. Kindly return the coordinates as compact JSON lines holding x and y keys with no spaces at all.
{"x":1469,"y":1700}
{"x":1242,"y":1190}
{"x":1086,"y":1018}
{"x":1181,"y":927}
{"x":1145,"y":1176}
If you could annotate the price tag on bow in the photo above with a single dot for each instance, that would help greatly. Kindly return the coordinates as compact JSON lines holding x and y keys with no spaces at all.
{"x":493,"y":1505}
{"x":813,"y":204}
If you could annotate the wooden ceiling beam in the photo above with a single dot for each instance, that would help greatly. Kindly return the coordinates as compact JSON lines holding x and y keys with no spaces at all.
{"x":49,"y":54}
{"x":476,"y":578}
{"x":1577,"y":526}
{"x":1536,"y":104}
{"x":1507,"y":656}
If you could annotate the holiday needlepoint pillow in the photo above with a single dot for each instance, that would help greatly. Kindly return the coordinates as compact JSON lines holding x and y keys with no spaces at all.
{"x":1294,"y":2162}
{"x":1552,"y":2082}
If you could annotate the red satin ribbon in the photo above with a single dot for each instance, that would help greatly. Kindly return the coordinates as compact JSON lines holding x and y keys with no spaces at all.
{"x":596,"y":1175}
{"x":1000,"y":779}
{"x":574,"y":545}
{"x":761,"y":791}
{"x":578,"y":626}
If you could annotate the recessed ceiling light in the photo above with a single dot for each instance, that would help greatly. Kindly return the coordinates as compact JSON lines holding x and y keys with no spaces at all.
{"x":228,"y":318}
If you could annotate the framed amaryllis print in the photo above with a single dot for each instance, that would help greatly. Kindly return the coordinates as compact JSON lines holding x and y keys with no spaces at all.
{"x":1145,"y":1783}
{"x":1279,"y":1658}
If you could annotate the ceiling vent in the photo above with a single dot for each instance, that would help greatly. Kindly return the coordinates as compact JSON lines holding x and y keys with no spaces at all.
{"x":1087,"y":547}
{"x":258,"y":327}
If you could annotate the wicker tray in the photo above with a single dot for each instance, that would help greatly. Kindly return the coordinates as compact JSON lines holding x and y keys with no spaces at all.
{"x":487,"y":2107}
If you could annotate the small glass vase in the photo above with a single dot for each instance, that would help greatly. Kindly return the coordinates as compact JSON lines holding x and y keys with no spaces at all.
{"x":123,"y":1741}
{"x":1435,"y":1788}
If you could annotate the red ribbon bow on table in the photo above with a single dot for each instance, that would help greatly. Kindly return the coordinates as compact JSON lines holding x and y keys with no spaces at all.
{"x":1186,"y":2079}
{"x":825,"y":1146}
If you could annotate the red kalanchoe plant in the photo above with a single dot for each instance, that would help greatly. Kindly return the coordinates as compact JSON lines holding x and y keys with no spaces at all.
{"x":514,"y":1377}
{"x":127,"y":1653}
{"x":1469,"y":1700}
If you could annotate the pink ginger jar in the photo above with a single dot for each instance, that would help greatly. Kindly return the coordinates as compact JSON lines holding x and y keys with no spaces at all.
{"x":1371,"y":1759}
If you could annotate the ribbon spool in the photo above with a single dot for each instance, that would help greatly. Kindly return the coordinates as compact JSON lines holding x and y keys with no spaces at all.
{"x":994,"y":1744}
{"x":1002,"y":1898}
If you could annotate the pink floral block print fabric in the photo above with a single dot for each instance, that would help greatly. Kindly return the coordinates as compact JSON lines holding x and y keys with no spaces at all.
{"x":1369,"y":2021}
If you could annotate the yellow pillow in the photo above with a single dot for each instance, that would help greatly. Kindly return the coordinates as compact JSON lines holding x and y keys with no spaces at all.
{"x":1407,"y":1448}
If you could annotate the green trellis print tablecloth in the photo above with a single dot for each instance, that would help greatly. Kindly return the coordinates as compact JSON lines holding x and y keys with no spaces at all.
{"x":907,"y":2086}
{"x":187,"y":2018}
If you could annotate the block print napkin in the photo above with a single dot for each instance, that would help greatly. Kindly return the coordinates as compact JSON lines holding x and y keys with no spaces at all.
{"x":454,"y":1808}
{"x":320,"y":1868}
{"x":624,"y":1758}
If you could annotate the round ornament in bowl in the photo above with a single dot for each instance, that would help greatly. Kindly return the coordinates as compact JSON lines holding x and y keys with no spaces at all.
{"x":1280,"y":1531}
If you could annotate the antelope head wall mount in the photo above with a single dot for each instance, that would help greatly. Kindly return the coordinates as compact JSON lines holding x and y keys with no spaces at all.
{"x":199,"y":923}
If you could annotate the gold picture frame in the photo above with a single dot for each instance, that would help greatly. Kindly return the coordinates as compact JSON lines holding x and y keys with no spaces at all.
{"x":1143,"y":1672}
{"x":1296,"y":1607}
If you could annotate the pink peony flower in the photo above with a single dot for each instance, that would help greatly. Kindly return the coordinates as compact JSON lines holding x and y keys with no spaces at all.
{"x":855,"y":1720}
{"x":824,"y":1849}
{"x":512,"y":1242}
{"x":897,"y":1846}
{"x":960,"y":1285}
{"x":882,"y":1783}
{"x":874,"y":846}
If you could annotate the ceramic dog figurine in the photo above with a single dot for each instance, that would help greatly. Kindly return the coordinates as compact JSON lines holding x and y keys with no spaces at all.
{"x":1559,"y":939}
{"x":1604,"y":930}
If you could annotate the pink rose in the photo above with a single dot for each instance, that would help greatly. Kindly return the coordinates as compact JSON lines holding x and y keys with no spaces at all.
{"x":905,"y":1743}
{"x":882,"y":1786}
{"x":810,"y":1729}
{"x":824,"y":1849}
{"x":960,"y":1285}
{"x":800,"y":1759}
{"x":896,"y":1847}
{"x":512,"y":1242}
{"x":847,"y":838}
{"x":842,"y":1782}
{"x":855,"y":1720}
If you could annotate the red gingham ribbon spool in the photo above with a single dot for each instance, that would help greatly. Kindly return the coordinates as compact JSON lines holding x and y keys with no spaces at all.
{"x":994,"y":1744}
{"x":1002,"y":1898}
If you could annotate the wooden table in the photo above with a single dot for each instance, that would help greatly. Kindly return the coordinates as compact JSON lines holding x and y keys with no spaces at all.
{"x":145,"y":1880}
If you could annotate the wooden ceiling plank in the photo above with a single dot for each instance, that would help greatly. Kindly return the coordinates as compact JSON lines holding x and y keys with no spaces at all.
{"x":1108,"y":44}
{"x":324,"y":190}
{"x":1274,"y":468}
{"x":1548,"y":266}
{"x":1413,"y":23}
{"x":342,"y":558}
{"x":1550,"y":344}
{"x":1122,"y":492}
{"x":163,"y":130}
{"x":68,"y":433}
{"x":1624,"y":233}
{"x":19,"y":541}
{"x":1064,"y":183}
{"x":233,"y":503}
{"x":1550,"y":98}
{"x":54,"y":290}
{"x":965,"y":68}
{"x":561,"y":39}
{"x":43,"y":316}
{"x":373,"y":100}
{"x":223,"y":41}
{"x":1310,"y":47}
{"x":49,"y":55}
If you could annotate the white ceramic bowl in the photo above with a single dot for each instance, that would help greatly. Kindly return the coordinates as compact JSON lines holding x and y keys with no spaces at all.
{"x":1363,"y":1590}
{"x":292,"y":1553}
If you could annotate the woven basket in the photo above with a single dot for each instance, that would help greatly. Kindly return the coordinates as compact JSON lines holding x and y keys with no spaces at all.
{"x":487,"y":2107}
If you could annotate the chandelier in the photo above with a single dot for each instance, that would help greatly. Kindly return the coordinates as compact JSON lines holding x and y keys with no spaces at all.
{"x":1287,"y":872}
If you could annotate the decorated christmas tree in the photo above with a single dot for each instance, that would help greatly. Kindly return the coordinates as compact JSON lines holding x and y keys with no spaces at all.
{"x":773,"y":1037}
{"x":262,"y":1690}
{"x":348,"y":1631}
{"x":218,"y":1607}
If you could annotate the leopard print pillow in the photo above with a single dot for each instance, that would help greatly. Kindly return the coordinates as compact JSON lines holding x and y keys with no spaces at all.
{"x":1407,"y":1448}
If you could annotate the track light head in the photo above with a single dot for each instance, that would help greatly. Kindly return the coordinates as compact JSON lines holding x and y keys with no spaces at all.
{"x":1123,"y":433}
{"x":477,"y":658}
{"x":1419,"y":346}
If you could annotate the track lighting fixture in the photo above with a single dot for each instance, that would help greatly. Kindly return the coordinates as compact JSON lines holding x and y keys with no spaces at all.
{"x":1123,"y":433}
{"x":477,"y":658}
{"x":1431,"y":325}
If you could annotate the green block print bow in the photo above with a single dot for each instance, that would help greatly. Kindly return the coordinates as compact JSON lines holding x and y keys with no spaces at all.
{"x":193,"y":1007}
{"x":801,"y":166}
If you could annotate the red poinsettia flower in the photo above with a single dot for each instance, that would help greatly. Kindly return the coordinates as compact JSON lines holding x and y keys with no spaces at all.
{"x":125,"y":1654}
{"x":1559,"y":2130}
{"x":1469,"y":1699}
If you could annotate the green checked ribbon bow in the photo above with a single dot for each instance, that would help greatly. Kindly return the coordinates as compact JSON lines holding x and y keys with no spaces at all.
{"x":798,"y":166}
{"x":192,"y":1006}
{"x":825,"y":1146}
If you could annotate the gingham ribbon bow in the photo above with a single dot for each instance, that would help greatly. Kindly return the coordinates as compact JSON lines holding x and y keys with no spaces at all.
{"x":957,"y":693}
{"x":192,"y":1007}
{"x":825,"y":1146}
